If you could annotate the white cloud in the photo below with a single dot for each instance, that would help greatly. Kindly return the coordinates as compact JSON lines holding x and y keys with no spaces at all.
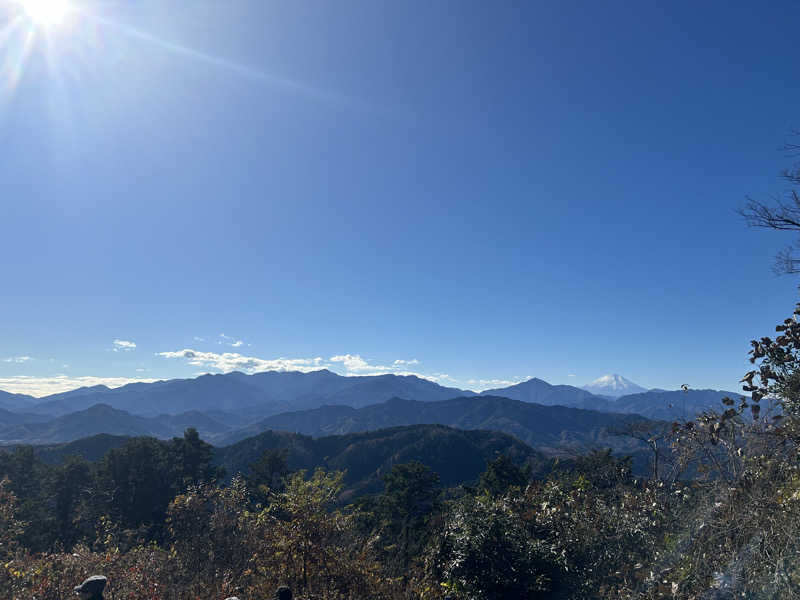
{"x":233,"y":361}
{"x":571,"y":375}
{"x":355,"y":364}
{"x":438,"y":377}
{"x":351,"y":364}
{"x":199,"y":339}
{"x":230,"y":341}
{"x":123,"y":346}
{"x":44,"y":386}
{"x":17,"y":359}
{"x":480,"y":385}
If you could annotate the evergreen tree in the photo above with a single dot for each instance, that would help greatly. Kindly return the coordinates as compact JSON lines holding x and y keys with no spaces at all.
{"x":502,"y":474}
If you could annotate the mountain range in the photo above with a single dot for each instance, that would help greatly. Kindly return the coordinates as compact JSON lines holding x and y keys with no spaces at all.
{"x":257,"y":395}
{"x":553,"y":429}
{"x":547,"y":428}
{"x":102,"y":418}
{"x":253,"y":397}
{"x":231,"y":406}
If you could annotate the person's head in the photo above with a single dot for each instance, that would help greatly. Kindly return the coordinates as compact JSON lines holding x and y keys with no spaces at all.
{"x":91,"y":588}
{"x":283,"y":593}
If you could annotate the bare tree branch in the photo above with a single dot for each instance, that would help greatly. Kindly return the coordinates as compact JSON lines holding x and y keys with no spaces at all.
{"x":783,"y":214}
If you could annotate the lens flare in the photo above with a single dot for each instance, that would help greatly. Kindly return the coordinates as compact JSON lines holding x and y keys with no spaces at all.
{"x":45,"y":12}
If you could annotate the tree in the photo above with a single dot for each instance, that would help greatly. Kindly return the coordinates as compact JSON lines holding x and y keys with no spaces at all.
{"x":192,"y":461}
{"x":655,"y":436}
{"x":604,"y":470}
{"x":135,"y":485}
{"x":783,"y":214}
{"x":486,"y":552}
{"x":410,"y":498}
{"x":308,"y":542}
{"x":70,"y":483}
{"x":28,"y":476}
{"x":745,"y":524}
{"x":268,"y":473}
{"x":11,"y":527}
{"x":208,"y":527}
{"x":502,"y":474}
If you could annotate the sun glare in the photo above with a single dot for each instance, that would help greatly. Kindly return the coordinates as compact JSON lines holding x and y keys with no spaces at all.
{"x":45,"y":12}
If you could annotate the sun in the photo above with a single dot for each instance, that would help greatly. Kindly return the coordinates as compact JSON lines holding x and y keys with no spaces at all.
{"x":45,"y":12}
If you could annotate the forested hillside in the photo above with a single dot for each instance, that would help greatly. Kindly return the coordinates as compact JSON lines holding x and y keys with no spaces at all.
{"x":554,"y":428}
{"x":457,"y":456}
{"x":60,"y":486}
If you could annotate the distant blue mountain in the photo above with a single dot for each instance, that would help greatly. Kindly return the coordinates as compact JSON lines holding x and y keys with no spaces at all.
{"x":541,"y":392}
{"x":104,"y":419}
{"x":16,"y":402}
{"x":254,"y":396}
{"x":676,"y":404}
{"x":234,"y":400}
{"x":174,"y":396}
{"x":551,"y":428}
{"x":652,"y":404}
{"x":8,"y":417}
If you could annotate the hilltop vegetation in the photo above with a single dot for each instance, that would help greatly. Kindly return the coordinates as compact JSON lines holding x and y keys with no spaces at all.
{"x":279,"y":524}
{"x":62,"y":489}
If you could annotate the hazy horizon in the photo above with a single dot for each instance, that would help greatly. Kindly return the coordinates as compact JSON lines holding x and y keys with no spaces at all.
{"x":40,"y":388}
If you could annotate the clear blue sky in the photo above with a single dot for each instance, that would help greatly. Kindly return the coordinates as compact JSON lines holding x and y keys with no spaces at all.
{"x":490,"y":191}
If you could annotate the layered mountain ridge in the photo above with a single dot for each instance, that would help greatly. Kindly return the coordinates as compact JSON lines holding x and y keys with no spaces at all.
{"x":549,"y":428}
{"x":233,"y":405}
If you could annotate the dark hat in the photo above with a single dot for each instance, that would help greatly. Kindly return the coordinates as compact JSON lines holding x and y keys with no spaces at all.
{"x":94,"y":585}
{"x":283,"y":593}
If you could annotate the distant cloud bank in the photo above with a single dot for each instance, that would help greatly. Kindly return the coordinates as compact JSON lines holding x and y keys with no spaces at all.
{"x":44,"y":386}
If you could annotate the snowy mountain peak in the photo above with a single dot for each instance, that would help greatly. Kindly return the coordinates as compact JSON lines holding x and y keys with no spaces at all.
{"x":613,"y":385}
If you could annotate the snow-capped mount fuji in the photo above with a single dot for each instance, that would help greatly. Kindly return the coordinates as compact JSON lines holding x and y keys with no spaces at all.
{"x":613,"y":386}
